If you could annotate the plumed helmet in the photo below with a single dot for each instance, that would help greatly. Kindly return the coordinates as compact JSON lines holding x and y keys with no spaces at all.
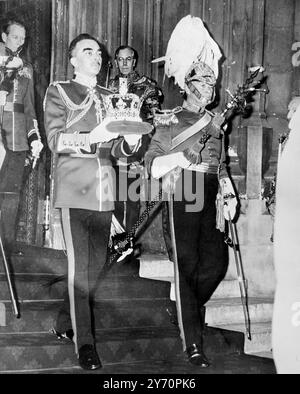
{"x":200,"y":81}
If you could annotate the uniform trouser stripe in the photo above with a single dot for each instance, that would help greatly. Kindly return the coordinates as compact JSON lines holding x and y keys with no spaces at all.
{"x":200,"y":262}
{"x":176,"y":274}
{"x":71,"y":268}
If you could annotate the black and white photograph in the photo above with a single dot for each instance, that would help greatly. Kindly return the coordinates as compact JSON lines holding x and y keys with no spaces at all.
{"x":149,"y":201}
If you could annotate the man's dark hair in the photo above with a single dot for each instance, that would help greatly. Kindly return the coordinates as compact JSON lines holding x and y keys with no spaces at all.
{"x":121,"y":47}
{"x":9,"y":22}
{"x":83,"y":36}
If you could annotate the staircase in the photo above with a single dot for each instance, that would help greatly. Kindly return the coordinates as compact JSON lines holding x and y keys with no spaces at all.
{"x":131,"y":319}
{"x":224,"y":310}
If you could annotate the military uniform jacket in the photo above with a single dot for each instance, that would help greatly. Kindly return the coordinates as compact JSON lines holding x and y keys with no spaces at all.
{"x":212,"y":154}
{"x":19,"y":126}
{"x":83,"y":175}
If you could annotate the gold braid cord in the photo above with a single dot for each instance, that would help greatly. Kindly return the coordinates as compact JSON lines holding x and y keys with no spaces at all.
{"x":84,"y":106}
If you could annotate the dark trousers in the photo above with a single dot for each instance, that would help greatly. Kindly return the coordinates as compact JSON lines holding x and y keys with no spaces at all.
{"x":86,"y":235}
{"x":11,"y":181}
{"x":127,"y":204}
{"x":202,"y":260}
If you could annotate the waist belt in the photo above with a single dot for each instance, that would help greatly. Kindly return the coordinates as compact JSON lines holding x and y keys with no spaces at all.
{"x":81,"y":155}
{"x":204,"y":167}
{"x":14,"y":107}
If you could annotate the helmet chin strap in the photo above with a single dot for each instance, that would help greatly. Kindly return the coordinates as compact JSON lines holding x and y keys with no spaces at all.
{"x":193,"y":106}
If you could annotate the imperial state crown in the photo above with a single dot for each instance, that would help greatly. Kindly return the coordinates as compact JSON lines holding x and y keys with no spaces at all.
{"x":123,"y":112}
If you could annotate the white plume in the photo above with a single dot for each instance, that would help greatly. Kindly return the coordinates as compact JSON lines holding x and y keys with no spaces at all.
{"x":190,"y":41}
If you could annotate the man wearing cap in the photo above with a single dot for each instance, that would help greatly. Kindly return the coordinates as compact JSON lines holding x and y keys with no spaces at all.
{"x":187,"y":152}
{"x":83,"y":186}
{"x":18,"y":124}
{"x":130,"y":170}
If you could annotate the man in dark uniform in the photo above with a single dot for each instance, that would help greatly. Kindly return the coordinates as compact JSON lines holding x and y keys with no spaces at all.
{"x":84,"y":189}
{"x":187,"y":152}
{"x":130,"y":170}
{"x":19,"y":128}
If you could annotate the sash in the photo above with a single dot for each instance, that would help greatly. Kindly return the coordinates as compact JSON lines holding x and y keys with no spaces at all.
{"x":190,"y":131}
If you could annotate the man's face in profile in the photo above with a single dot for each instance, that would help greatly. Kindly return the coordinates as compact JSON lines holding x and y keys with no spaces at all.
{"x":87,"y":58}
{"x":125,"y":61}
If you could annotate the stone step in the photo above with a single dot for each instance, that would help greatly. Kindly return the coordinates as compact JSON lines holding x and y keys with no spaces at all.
{"x":36,"y":287}
{"x":220,"y":311}
{"x":34,"y":351}
{"x":40,"y":316}
{"x":159,"y":267}
{"x":51,"y":261}
{"x":220,"y":364}
{"x":264,"y":354}
{"x":261,"y":337}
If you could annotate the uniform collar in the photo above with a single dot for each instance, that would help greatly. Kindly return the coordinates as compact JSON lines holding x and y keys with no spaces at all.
{"x":90,"y":82}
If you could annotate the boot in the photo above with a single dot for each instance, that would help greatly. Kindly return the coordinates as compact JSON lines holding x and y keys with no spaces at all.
{"x":196,"y":355}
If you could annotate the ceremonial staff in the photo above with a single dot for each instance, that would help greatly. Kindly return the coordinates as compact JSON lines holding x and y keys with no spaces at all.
{"x":8,"y":66}
{"x":240,"y":274}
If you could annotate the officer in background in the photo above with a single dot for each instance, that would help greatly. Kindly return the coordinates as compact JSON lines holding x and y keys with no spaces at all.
{"x":19,"y":127}
{"x":131,"y":169}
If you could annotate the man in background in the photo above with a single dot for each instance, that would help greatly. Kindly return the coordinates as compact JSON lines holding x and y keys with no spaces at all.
{"x":19,"y":127}
{"x":131,"y":169}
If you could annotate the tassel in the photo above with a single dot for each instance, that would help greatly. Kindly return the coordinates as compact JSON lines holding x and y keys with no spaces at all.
{"x":58,"y":241}
{"x":170,"y":179}
{"x":220,"y":220}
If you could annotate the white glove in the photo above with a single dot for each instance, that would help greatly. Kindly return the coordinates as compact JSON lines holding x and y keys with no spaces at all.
{"x":182,"y":161}
{"x":132,"y":139}
{"x":101,"y":134}
{"x":36,"y":147}
{"x":293,"y":105}
{"x":3,"y":94}
{"x":229,"y":197}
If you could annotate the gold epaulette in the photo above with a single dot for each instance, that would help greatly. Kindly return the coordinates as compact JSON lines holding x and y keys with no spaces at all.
{"x":166,"y":117}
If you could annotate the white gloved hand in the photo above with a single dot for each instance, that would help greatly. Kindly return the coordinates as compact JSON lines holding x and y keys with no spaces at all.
{"x":293,"y":105}
{"x":229,"y":197}
{"x":36,"y":147}
{"x":3,"y":94}
{"x":132,"y":139}
{"x":101,"y":134}
{"x":182,"y":161}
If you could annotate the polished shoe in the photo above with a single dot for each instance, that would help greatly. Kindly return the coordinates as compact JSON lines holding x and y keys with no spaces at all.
{"x":69,"y":334}
{"x":88,"y":357}
{"x":196,"y":356}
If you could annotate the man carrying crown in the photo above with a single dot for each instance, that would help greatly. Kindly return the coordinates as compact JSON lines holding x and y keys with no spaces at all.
{"x":83,"y":186}
{"x":187,"y":152}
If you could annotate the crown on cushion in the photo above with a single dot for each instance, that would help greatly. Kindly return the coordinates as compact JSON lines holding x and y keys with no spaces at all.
{"x":123,"y":105}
